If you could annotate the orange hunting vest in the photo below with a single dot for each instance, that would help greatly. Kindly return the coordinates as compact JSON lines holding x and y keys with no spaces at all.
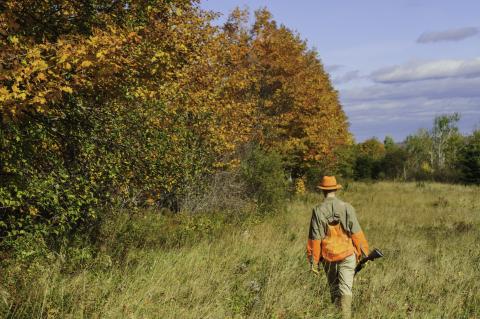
{"x":337,"y":245}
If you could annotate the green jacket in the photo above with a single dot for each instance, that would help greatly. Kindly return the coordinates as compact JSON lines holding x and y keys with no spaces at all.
{"x":329,"y":212}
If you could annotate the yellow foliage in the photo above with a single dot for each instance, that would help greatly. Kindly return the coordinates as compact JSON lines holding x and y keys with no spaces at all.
{"x":300,"y":186}
{"x":39,"y":65}
{"x":86,"y":64}
{"x":63,"y":58}
{"x":14,"y":40}
{"x":33,"y":211}
{"x":67,"y":89}
{"x":232,"y":85}
{"x":426,"y":168}
{"x":4,"y":94}
{"x":41,"y":76}
{"x":39,"y":100}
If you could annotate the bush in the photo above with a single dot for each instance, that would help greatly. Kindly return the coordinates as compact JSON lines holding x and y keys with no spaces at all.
{"x":41,"y":192}
{"x":222,"y":191}
{"x":58,"y":175}
{"x":313,"y":176}
{"x":346,"y":161}
{"x":367,"y":167}
{"x":265,"y":179}
{"x":394,"y":163}
{"x":469,"y":162}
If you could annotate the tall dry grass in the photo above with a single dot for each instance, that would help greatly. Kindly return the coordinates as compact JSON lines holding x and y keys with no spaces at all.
{"x":429,"y":234}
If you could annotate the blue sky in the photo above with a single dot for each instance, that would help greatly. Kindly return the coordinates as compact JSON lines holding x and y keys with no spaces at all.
{"x":397,"y":64}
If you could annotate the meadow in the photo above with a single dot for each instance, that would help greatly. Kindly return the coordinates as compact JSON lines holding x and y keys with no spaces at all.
{"x":428,"y":232}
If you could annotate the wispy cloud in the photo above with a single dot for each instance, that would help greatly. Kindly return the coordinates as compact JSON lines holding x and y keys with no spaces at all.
{"x":398,"y":109}
{"x":448,"y":35}
{"x":347,"y":77}
{"x":413,"y":108}
{"x":333,"y":67}
{"x":399,"y":118}
{"x":430,"y":89}
{"x":417,"y":71}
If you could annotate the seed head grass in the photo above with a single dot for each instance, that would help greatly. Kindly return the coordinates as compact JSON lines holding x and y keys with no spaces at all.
{"x":429,"y":234}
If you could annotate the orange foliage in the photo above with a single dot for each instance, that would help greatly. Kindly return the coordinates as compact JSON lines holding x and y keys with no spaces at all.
{"x":298,"y":108}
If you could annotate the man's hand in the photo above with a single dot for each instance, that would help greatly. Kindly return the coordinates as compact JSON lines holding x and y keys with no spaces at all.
{"x":365,"y":265}
{"x":314,"y":269}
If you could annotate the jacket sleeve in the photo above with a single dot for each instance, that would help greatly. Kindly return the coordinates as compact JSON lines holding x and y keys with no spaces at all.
{"x":314,"y":238}
{"x":358,"y":237}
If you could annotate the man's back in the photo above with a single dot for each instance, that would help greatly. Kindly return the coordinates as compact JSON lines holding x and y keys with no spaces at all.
{"x":333,"y":210}
{"x":336,"y":238}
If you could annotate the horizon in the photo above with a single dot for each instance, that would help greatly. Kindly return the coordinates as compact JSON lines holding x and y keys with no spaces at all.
{"x":396,"y":66}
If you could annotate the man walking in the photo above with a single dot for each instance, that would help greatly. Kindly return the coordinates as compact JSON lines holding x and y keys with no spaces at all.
{"x":337,"y":240}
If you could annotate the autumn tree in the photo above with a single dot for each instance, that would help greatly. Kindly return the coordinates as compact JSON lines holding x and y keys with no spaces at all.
{"x":125,"y":103}
{"x":129,"y":103}
{"x":298,"y":109}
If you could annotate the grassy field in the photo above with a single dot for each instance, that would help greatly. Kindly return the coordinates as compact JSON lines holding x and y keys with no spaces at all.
{"x":429,"y":233}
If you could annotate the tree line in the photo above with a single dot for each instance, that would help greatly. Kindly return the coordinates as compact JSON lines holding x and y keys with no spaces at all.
{"x":121,"y":105}
{"x":109,"y":104}
{"x":440,"y":153}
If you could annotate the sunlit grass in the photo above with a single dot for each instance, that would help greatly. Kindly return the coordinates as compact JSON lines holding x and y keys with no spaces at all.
{"x":429,"y":234}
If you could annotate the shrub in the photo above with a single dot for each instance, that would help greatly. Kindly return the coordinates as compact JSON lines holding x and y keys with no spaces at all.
{"x":394,"y":163}
{"x":367,"y":167}
{"x":57,"y":175}
{"x":469,"y":162}
{"x":346,"y":161}
{"x":313,"y":176}
{"x":265,"y":179}
{"x":223,"y":191}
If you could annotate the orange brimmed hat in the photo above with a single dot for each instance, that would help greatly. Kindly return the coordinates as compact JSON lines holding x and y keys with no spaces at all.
{"x":329,"y":183}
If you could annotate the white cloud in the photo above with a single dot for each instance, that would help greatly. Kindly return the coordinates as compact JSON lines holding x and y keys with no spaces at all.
{"x":448,"y":35}
{"x":417,"y":71}
{"x":430,"y":89}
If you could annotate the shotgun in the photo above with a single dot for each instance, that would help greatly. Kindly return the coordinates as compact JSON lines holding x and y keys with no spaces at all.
{"x":376,"y":253}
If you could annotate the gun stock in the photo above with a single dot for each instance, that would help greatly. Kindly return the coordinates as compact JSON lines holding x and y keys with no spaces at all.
{"x":376,"y":253}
